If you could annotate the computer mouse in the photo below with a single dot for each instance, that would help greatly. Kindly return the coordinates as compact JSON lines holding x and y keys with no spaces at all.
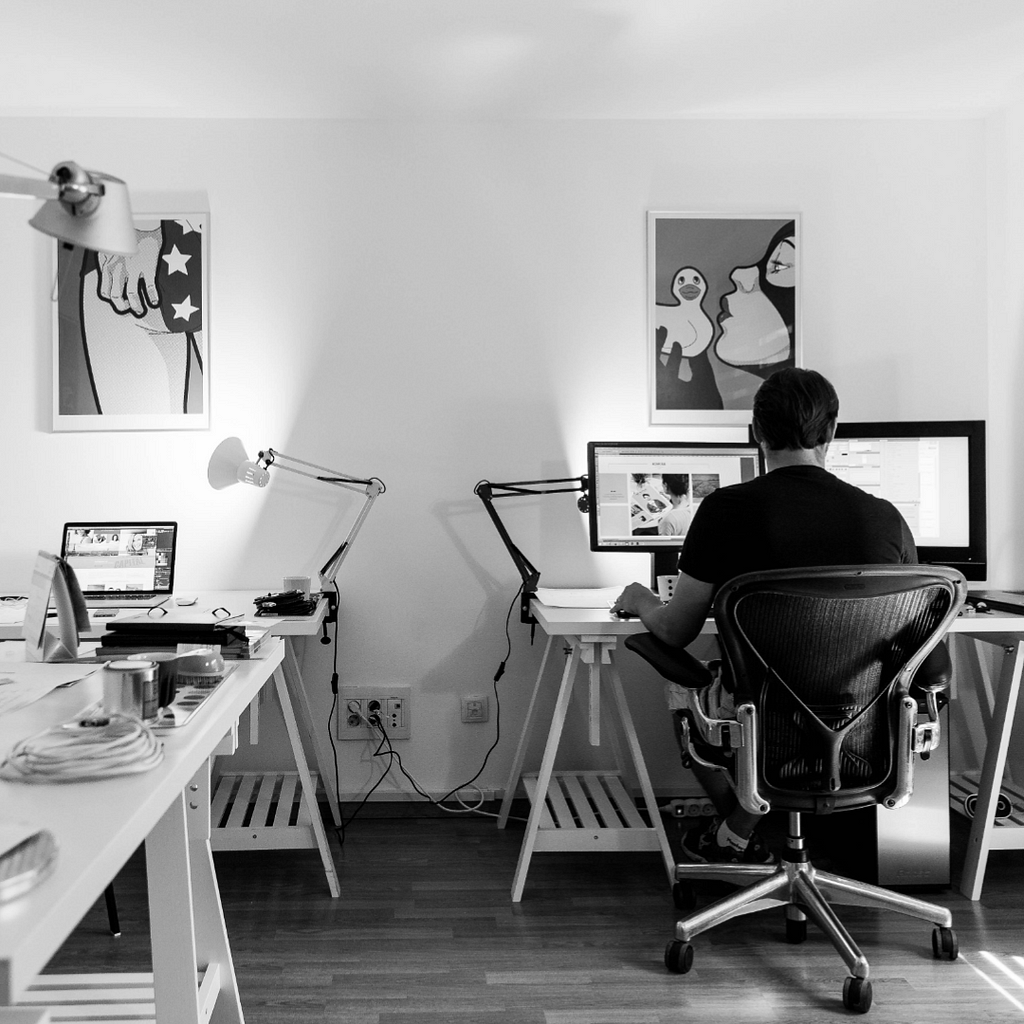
{"x":621,"y":613}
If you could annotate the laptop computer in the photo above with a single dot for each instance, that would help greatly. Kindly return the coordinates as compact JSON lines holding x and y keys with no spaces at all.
{"x":122,"y":564}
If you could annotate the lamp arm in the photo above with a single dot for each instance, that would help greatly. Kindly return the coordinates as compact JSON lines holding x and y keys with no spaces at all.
{"x":40,"y":188}
{"x":487,"y":492}
{"x":374,"y":488}
{"x":270,"y":457}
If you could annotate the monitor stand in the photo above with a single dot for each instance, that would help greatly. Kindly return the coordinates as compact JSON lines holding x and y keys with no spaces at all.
{"x":663,"y":563}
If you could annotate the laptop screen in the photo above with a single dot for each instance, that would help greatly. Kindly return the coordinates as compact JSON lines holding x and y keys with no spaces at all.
{"x":121,"y":558}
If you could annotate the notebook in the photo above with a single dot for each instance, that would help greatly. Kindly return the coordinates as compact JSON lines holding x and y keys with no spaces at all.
{"x":122,"y":564}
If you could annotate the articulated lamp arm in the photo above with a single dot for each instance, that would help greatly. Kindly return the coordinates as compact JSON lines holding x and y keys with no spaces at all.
{"x":487,"y":492}
{"x":371,"y":487}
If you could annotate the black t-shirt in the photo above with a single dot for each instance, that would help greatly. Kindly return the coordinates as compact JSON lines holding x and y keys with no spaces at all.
{"x":792,"y":517}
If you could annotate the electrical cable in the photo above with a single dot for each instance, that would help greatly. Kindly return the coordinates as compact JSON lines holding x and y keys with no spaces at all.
{"x":470,"y":783}
{"x":97,"y":747}
{"x":385,"y":749}
{"x":339,"y":829}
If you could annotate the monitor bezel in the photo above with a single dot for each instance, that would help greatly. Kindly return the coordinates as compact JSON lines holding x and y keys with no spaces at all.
{"x":698,"y":446}
{"x":132,"y":524}
{"x":970,"y":559}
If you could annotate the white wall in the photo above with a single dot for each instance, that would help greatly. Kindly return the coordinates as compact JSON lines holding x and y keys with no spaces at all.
{"x":435,"y":303}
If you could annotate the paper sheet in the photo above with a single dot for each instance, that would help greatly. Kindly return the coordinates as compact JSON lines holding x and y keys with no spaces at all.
{"x":590,"y":597}
{"x":21,"y":683}
{"x":12,"y":613}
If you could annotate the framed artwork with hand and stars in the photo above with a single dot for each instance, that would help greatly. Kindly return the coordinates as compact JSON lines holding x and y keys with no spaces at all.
{"x":131,"y":333}
{"x":723,"y":309}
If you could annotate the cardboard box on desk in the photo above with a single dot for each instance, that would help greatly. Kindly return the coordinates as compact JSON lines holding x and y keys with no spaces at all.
{"x":235,"y":637}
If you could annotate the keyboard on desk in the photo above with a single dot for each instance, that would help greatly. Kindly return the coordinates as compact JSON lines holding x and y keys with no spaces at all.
{"x":124,"y":600}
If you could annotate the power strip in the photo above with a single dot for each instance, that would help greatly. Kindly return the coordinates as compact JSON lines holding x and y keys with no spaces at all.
{"x":688,"y":807}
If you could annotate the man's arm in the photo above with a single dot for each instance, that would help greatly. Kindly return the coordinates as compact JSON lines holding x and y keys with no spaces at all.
{"x":677,"y":623}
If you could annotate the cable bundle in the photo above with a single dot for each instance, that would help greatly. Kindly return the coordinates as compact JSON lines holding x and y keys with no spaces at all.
{"x":84,"y":748}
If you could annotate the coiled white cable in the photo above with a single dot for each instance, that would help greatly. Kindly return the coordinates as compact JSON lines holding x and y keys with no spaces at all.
{"x":84,"y":748}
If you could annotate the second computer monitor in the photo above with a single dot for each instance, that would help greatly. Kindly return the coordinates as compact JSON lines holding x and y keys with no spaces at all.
{"x":934,"y":473}
{"x":644,"y":493}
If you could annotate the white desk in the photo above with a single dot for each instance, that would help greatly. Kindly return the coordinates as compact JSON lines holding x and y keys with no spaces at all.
{"x":98,"y":825}
{"x":999,"y":698}
{"x":269,"y":810}
{"x":593,"y":636}
{"x":572,"y":823}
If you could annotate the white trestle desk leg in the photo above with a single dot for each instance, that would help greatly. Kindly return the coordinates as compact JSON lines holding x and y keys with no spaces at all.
{"x":186,"y":921}
{"x":538,"y":808}
{"x":524,"y":741}
{"x":308,"y":790}
{"x":594,"y":652}
{"x":985,"y":834}
{"x":641,"y":770}
{"x":325,"y":764}
{"x":212,"y":946}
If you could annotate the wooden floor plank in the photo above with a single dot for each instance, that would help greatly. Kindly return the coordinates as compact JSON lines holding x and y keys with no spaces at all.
{"x":425,"y":931}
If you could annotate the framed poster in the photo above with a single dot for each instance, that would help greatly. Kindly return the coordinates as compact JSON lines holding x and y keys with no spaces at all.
{"x":130,"y":334}
{"x":722,"y":312}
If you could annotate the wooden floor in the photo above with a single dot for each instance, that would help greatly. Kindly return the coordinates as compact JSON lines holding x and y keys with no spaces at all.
{"x":425,"y":931}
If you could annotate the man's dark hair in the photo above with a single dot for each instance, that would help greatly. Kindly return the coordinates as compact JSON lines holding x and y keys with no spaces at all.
{"x":677,"y":484}
{"x":795,"y":408}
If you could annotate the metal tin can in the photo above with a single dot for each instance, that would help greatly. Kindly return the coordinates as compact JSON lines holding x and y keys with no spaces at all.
{"x":132,"y":688}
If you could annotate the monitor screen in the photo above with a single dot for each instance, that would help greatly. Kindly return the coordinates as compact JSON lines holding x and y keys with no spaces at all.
{"x":121,"y":557}
{"x":644,"y":493}
{"x":934,"y":473}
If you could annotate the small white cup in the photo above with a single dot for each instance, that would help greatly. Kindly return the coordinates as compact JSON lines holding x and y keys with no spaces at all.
{"x":297,"y":583}
{"x":666,"y":587}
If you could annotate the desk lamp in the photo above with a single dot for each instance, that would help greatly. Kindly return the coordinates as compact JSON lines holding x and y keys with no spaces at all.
{"x":85,"y":208}
{"x":487,"y":492}
{"x":229,"y":465}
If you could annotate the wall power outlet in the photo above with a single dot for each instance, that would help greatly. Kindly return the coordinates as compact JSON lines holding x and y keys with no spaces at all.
{"x":475,"y":708}
{"x":358,"y":704}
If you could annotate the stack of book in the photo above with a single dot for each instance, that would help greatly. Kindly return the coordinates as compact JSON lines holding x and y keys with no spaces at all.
{"x":234,"y":637}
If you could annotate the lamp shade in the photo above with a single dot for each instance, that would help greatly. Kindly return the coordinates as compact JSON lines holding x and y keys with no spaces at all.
{"x":229,"y":464}
{"x":106,"y":228}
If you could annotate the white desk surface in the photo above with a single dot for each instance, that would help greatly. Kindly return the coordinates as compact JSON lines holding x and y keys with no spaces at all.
{"x":99,"y":824}
{"x":601,"y":622}
{"x":237,"y":602}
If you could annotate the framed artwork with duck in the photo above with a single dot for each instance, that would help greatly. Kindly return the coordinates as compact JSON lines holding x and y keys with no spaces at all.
{"x":722,"y":312}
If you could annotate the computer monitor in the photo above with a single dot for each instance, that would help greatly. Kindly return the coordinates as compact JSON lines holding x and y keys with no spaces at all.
{"x":643,"y":493}
{"x":934,"y":473}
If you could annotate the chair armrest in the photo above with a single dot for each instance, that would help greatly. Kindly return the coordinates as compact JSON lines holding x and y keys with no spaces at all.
{"x":675,"y":663}
{"x":934,"y":673}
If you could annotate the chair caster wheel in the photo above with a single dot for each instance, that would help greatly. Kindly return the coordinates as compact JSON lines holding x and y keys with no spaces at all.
{"x":857,"y":994}
{"x":944,"y":944}
{"x":796,"y":931}
{"x":684,"y":897}
{"x":679,"y":957}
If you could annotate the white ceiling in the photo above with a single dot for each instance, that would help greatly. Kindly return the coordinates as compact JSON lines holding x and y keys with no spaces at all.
{"x":508,"y":58}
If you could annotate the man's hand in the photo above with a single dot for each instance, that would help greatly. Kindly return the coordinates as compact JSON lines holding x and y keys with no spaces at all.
{"x":677,"y":623}
{"x":636,"y":599}
{"x":129,"y":282}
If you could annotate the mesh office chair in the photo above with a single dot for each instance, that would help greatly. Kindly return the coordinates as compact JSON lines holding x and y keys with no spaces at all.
{"x":827,"y":707}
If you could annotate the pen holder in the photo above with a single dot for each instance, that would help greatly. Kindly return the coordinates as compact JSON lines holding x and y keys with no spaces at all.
{"x":167,"y":674}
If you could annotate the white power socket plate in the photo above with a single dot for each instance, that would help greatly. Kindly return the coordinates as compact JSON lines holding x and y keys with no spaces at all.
{"x":394,"y":704}
{"x":476,"y":708}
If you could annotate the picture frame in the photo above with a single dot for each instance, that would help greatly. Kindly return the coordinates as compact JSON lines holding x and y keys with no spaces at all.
{"x":131,"y":333}
{"x":722,"y":312}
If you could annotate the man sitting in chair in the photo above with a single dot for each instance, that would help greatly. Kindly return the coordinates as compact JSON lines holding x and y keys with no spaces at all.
{"x":797,"y":515}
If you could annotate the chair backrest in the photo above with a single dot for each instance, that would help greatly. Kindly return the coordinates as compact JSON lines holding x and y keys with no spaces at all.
{"x":826,"y":656}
